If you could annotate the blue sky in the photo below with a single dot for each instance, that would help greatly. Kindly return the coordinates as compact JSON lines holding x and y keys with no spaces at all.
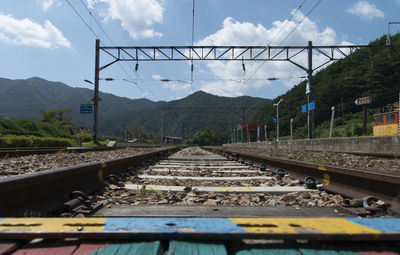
{"x":46,"y":38}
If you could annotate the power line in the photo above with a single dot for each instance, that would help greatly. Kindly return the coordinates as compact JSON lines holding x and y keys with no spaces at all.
{"x":109,"y":38}
{"x":101,"y":27}
{"x":77,"y":13}
{"x":286,"y":22}
{"x":298,"y":24}
{"x":284,"y":25}
{"x":290,"y":33}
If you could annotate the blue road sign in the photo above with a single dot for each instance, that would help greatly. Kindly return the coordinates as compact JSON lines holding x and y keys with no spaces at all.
{"x":311,"y":107}
{"x":272,"y":119}
{"x":86,"y":109}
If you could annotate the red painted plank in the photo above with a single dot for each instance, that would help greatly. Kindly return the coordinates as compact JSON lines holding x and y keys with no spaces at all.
{"x":85,"y":249}
{"x":63,"y":250}
{"x":377,"y":253}
{"x":6,"y":248}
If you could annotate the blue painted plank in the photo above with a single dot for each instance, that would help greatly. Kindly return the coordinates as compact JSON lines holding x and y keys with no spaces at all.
{"x":385,"y":225}
{"x":148,"y":248}
{"x":173,"y":225}
{"x":184,"y":248}
{"x":269,"y":252}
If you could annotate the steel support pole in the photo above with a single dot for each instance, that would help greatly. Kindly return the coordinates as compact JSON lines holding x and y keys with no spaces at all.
{"x":162,"y":126}
{"x":277,"y":122}
{"x":364,"y":119}
{"x":310,"y":121}
{"x":332,"y":121}
{"x":243,"y":139}
{"x":291,"y":129}
{"x":266,"y":137}
{"x":96,"y":91}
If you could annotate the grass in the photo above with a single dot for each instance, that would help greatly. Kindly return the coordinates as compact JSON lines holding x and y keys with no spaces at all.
{"x":93,"y":144}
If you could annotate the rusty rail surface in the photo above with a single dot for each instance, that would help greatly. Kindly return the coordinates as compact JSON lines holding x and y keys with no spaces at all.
{"x":349,"y":182}
{"x":23,"y":151}
{"x":37,"y":194}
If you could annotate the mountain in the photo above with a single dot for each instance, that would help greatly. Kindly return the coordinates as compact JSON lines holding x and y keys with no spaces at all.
{"x":23,"y":99}
{"x":186,"y":116}
{"x":366,"y":72}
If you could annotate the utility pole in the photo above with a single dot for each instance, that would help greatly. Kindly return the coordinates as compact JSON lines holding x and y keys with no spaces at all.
{"x":332,"y":120}
{"x":277,"y":119}
{"x":266,"y":137}
{"x":96,"y":91}
{"x":291,"y":129}
{"x":310,"y":119}
{"x":243,"y":124}
{"x":162,"y":125}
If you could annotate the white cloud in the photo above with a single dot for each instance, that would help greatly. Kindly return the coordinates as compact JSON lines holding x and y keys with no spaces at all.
{"x":172,"y":84}
{"x":365,"y":10}
{"x":29,"y":33}
{"x":46,"y":4}
{"x":157,"y":77}
{"x":136,"y":16}
{"x":246,"y":33}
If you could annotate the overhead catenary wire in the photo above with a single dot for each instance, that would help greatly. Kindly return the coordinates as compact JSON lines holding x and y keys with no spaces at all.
{"x":77,"y":13}
{"x":283,"y":26}
{"x":289,"y":34}
{"x":131,"y":80}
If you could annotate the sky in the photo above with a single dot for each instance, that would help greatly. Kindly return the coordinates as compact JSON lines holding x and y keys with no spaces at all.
{"x":55,"y":40}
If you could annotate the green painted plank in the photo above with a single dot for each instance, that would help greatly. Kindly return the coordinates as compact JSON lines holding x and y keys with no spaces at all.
{"x":183,"y":248}
{"x":269,"y":252}
{"x":150,"y":248}
{"x":325,"y":252}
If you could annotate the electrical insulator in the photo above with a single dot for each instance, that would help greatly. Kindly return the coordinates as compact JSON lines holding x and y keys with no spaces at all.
{"x":137,"y":67}
{"x":244,"y":67}
{"x":109,"y":79}
{"x":192,"y":68}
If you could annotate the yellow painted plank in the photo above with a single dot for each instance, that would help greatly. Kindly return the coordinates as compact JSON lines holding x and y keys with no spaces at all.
{"x":302,"y":225}
{"x":39,"y":225}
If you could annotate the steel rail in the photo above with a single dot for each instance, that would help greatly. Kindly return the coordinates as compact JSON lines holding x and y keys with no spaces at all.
{"x":40,"y":193}
{"x":349,"y":182}
{"x":23,"y":151}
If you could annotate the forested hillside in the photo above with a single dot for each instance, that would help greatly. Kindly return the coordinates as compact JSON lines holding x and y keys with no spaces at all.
{"x":186,"y":116}
{"x":23,"y":99}
{"x":364,"y":73}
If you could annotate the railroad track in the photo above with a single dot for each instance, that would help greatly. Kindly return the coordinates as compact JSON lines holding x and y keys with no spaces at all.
{"x":202,"y":183}
{"x":349,"y":182}
{"x":23,"y":151}
{"x":192,"y":196}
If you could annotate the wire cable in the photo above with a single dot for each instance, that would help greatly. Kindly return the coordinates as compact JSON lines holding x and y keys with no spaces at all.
{"x":278,"y":32}
{"x":131,"y":80}
{"x":77,"y":13}
{"x":290,"y":33}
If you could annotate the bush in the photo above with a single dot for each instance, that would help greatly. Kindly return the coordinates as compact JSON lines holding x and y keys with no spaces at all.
{"x":357,"y":129}
{"x":35,"y":141}
{"x":30,"y":128}
{"x":82,"y":138}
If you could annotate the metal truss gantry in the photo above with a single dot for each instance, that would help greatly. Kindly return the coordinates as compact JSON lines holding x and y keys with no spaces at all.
{"x":291,"y":54}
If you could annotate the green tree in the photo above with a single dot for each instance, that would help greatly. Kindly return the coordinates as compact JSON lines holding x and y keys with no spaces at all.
{"x":207,"y":136}
{"x":58,"y":117}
